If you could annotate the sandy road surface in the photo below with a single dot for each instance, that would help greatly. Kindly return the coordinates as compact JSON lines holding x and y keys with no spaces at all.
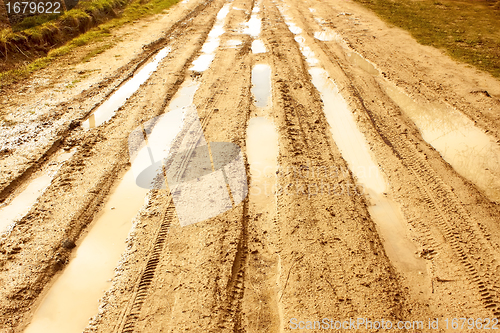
{"x":367,"y":184}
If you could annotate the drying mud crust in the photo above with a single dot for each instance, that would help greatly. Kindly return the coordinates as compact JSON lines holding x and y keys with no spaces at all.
{"x":313,"y":237}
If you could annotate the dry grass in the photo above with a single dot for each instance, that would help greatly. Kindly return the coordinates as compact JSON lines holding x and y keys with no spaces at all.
{"x":467,"y":30}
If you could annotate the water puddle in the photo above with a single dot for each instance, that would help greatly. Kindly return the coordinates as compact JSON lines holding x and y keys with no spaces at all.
{"x":23,"y":202}
{"x":306,"y":51}
{"x":356,"y":59}
{"x":355,"y":151}
{"x":470,"y":151}
{"x":261,"y":85}
{"x":354,"y":148}
{"x":253,"y":26}
{"x":292,"y":26}
{"x":203,"y":62}
{"x":328,"y":35}
{"x":233,"y":43}
{"x":118,"y":98}
{"x":262,"y":152}
{"x":73,"y":299}
{"x":258,"y":47}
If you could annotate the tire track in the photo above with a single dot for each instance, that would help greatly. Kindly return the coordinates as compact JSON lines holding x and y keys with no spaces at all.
{"x":131,"y":315}
{"x":467,"y":239}
{"x":120,"y":78}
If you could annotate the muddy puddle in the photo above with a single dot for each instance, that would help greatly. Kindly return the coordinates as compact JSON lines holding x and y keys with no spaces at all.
{"x":327,"y":35}
{"x":357,"y":60}
{"x":107,"y":110}
{"x":73,"y":298}
{"x":254,"y":25}
{"x":204,"y":60}
{"x":22,"y":203}
{"x":261,"y":85}
{"x":233,"y":43}
{"x":262,"y":152}
{"x":471,"y":152}
{"x":354,"y":148}
{"x":262,"y":142}
{"x":258,"y":47}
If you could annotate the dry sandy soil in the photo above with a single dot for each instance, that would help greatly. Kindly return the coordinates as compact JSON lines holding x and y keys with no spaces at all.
{"x":424,"y":244}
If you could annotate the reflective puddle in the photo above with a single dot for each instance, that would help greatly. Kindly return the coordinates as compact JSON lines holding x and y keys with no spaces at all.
{"x":118,"y":98}
{"x":253,"y":26}
{"x":292,"y":26}
{"x":233,"y":43}
{"x":262,"y":152}
{"x":203,"y":62}
{"x":258,"y":47}
{"x":354,"y":148}
{"x":328,"y":35}
{"x":261,"y":85}
{"x":74,"y":297}
{"x":352,"y":144}
{"x":356,"y":59}
{"x":23,"y":202}
{"x":470,"y":151}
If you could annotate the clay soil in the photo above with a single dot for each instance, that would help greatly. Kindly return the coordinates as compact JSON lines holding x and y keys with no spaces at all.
{"x":255,"y":267}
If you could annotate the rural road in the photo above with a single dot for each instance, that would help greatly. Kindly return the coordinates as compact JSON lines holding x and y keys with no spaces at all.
{"x":306,"y":161}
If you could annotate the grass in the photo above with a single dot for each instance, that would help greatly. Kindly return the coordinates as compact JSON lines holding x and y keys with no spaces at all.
{"x":132,"y":12}
{"x":33,"y":21}
{"x":469,"y":31}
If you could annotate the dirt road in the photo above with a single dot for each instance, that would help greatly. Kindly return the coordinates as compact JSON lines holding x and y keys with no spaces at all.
{"x":316,"y":164}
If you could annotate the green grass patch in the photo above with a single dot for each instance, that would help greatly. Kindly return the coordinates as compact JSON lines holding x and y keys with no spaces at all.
{"x":33,"y":21}
{"x":469,"y":31}
{"x":132,"y":12}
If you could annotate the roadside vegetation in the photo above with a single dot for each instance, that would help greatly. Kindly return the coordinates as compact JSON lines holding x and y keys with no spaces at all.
{"x":91,"y":21}
{"x":469,"y":31}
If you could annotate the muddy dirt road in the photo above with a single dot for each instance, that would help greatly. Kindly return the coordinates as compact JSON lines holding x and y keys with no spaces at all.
{"x":239,"y":166}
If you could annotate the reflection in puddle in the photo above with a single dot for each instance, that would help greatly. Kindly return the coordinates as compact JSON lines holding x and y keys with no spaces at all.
{"x":306,"y":51}
{"x":355,"y":151}
{"x":254,"y":25}
{"x":73,"y":298}
{"x":362,"y":63}
{"x":258,"y":47}
{"x":471,"y":152}
{"x":354,"y":148}
{"x":23,"y":202}
{"x":118,"y":98}
{"x":262,"y":151}
{"x":203,"y":62}
{"x":291,"y":26}
{"x":328,"y":35}
{"x":261,"y":85}
{"x":233,"y":43}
